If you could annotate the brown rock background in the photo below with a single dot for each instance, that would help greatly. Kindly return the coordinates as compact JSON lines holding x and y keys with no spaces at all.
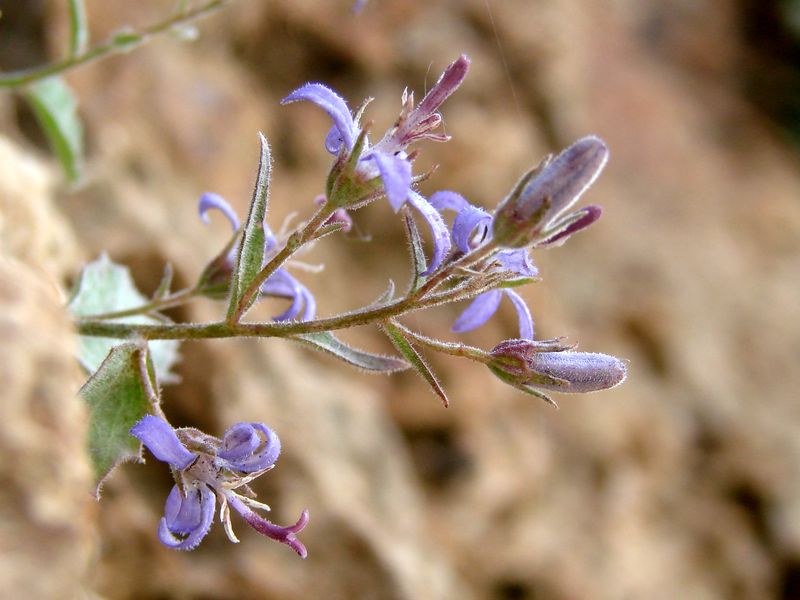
{"x":683,"y":483}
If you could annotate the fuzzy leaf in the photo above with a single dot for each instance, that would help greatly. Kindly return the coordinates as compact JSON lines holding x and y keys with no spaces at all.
{"x":56,"y":110}
{"x":375,"y":363}
{"x":251,"y":249}
{"x":418,"y":264}
{"x":105,"y":286}
{"x":117,"y":398}
{"x":78,"y":27}
{"x":405,"y":348}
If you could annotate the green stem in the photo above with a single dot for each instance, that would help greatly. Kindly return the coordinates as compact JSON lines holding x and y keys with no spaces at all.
{"x":295,"y":241}
{"x":162,"y":303}
{"x":450,"y":348}
{"x":465,"y":261}
{"x":118,"y":43}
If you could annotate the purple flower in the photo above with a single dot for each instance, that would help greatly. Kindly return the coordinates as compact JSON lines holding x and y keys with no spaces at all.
{"x":362,"y":172}
{"x":471,"y":227}
{"x":534,"y":213}
{"x":551,"y":365}
{"x":213,"y":470}
{"x":281,"y":284}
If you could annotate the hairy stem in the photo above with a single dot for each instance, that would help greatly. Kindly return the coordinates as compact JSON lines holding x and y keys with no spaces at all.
{"x":175,"y":299}
{"x":118,"y":43}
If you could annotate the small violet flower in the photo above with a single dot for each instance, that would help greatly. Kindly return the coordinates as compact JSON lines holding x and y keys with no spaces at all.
{"x":471,"y":227}
{"x":281,"y":284}
{"x":533,"y":214}
{"x":208,"y":469}
{"x":362,"y":172}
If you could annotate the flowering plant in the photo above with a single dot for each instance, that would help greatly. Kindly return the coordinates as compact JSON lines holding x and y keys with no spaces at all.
{"x":129,"y":345}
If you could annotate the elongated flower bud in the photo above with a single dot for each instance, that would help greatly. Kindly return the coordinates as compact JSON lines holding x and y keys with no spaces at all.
{"x":532,"y":212}
{"x":550,"y":365}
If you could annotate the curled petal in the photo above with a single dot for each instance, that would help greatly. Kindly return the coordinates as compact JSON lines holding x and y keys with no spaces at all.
{"x":518,"y":261}
{"x":285,"y":535}
{"x":470,"y":223}
{"x":189,"y":517}
{"x":395,"y":172}
{"x":337,"y":110}
{"x":283,"y":285}
{"x":160,"y":438}
{"x":447,"y":200}
{"x":211,"y":200}
{"x":478,"y":312}
{"x":523,"y":315}
{"x":251,"y":447}
{"x":441,"y":236}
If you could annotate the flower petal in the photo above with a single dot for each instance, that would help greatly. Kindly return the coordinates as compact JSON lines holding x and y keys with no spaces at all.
{"x":581,"y":372}
{"x":334,"y":105}
{"x":160,"y":438}
{"x":570,"y":224}
{"x":190,"y":516}
{"x":441,"y":236}
{"x":518,"y":261}
{"x":395,"y":172}
{"x":245,"y":458}
{"x":523,"y":315}
{"x":470,"y":223}
{"x":447,"y":200}
{"x":478,"y":312}
{"x":211,"y":200}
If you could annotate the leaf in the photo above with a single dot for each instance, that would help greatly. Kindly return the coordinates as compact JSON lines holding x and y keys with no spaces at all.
{"x":405,"y":348}
{"x":108,"y":287}
{"x":117,"y":396}
{"x":376,"y":363}
{"x":78,"y":28}
{"x":418,"y":263}
{"x":251,"y":249}
{"x":56,"y":110}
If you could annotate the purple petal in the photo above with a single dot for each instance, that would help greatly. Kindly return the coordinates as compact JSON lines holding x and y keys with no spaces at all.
{"x":211,"y":200}
{"x":160,"y":438}
{"x":571,"y":224}
{"x":518,"y":261}
{"x":396,"y":175}
{"x":283,"y":285}
{"x":478,"y":312}
{"x":582,"y":371}
{"x":448,"y":83}
{"x":441,"y":237}
{"x":523,"y":315}
{"x":469,"y":223}
{"x":310,"y":304}
{"x":191,"y":517}
{"x":285,"y":535}
{"x":246,"y":457}
{"x":565,"y":179}
{"x":447,"y":200}
{"x":331,"y":103}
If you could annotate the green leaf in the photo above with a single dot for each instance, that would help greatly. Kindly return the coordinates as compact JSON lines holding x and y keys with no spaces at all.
{"x":251,"y":249}
{"x":78,"y":27}
{"x":328,"y":343}
{"x":117,"y":396}
{"x":418,"y":264}
{"x":405,"y":348}
{"x":56,"y":110}
{"x":108,"y":287}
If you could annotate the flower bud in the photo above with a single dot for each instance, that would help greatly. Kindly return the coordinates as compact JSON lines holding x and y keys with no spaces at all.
{"x":530,"y":213}
{"x":551,"y":365}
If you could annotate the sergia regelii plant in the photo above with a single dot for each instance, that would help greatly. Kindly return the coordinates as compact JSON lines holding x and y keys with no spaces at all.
{"x":481,"y":258}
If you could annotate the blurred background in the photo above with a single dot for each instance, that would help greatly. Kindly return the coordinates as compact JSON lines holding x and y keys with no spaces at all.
{"x":682,"y":483}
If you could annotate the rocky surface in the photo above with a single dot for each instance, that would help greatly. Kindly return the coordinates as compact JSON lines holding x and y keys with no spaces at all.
{"x":683,"y":483}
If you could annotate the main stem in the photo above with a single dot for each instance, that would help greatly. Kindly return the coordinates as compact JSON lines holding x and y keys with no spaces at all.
{"x":113,"y":46}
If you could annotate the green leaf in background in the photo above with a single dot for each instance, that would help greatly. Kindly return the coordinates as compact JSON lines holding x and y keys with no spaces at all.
{"x":78,"y":28}
{"x":56,"y":110}
{"x":405,"y":348}
{"x":108,"y":287}
{"x":251,"y":248}
{"x":117,"y":396}
{"x":375,"y":363}
{"x":418,"y":263}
